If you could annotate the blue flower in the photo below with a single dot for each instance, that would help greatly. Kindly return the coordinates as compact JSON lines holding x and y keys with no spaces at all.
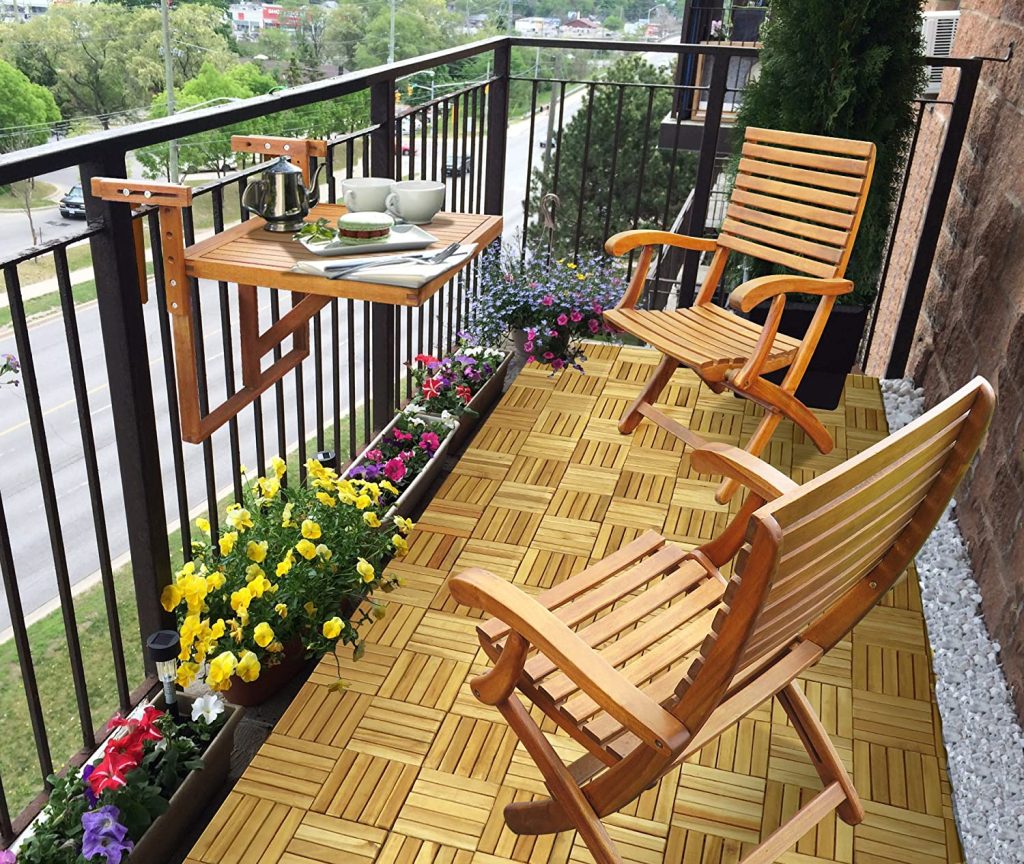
{"x":104,"y":836}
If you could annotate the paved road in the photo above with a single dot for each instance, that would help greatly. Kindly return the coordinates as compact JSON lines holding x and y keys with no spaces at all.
{"x":14,"y":230}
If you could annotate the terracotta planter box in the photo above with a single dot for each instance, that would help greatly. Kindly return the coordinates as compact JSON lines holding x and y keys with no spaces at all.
{"x":481,"y":403}
{"x":272,"y":678}
{"x":415,"y":491}
{"x":164,"y":836}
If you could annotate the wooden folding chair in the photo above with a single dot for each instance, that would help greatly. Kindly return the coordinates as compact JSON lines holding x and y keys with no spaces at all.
{"x":651,"y":653}
{"x":797,"y":202}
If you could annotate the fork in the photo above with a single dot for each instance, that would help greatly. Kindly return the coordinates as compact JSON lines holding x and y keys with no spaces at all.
{"x":447,"y":252}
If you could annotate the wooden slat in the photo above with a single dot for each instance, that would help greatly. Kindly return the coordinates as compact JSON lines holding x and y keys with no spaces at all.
{"x":795,"y":209}
{"x":795,"y":192}
{"x":767,"y":253}
{"x":802,"y":140}
{"x":785,"y":242}
{"x":825,"y":179}
{"x":802,"y":228}
{"x":805,"y":158}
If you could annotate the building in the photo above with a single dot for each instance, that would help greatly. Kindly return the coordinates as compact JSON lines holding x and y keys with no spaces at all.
{"x":537,"y":26}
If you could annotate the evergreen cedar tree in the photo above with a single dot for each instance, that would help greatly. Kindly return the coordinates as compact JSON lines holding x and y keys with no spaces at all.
{"x":633,"y":146}
{"x":850,"y":70}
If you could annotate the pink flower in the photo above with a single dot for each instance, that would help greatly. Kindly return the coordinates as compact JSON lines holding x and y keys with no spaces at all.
{"x":562,"y":320}
{"x":597,"y":307}
{"x":394,"y":470}
{"x":594,"y":325}
{"x":548,"y":355}
{"x":576,"y":316}
{"x":553,"y":334}
{"x":406,"y":455}
{"x":557,"y":364}
{"x":429,"y":442}
{"x":528,"y":346}
{"x":402,"y":436}
{"x":531,"y":333}
{"x":531,"y":359}
{"x":547,"y":300}
{"x":374,"y":455}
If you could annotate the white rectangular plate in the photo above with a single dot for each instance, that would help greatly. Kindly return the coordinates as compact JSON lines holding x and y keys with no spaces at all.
{"x":402,"y":238}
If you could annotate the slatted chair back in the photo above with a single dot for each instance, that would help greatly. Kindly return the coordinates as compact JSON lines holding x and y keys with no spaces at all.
{"x":798,"y":200}
{"x":821,"y":556}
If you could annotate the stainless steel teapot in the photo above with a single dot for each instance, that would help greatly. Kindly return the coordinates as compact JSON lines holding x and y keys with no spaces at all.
{"x":280,"y":196}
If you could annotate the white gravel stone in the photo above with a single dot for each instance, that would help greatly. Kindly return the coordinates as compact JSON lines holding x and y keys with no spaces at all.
{"x":980,"y":727}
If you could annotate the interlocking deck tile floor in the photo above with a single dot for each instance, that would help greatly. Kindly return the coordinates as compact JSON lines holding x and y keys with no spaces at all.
{"x":406,"y":766}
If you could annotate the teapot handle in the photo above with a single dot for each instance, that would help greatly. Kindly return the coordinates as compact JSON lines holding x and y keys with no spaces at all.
{"x":313,"y":193}
{"x":254,"y":196}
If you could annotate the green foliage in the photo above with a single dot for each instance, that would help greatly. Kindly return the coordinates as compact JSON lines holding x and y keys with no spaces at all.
{"x":613,"y":200}
{"x":850,"y":70}
{"x":25,"y":110}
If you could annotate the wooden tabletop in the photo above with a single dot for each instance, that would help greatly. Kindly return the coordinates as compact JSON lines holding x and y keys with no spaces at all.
{"x":248,"y":255}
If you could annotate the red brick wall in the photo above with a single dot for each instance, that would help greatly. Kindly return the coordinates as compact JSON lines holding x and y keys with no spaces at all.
{"x":973,"y":317}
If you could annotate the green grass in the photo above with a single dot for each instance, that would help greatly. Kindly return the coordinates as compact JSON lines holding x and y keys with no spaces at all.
{"x":18,"y":763}
{"x":43,"y":195}
{"x":83,"y":292}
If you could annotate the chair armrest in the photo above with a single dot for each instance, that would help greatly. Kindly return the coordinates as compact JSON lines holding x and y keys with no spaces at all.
{"x":636,"y":711}
{"x":746,"y":296}
{"x":627,"y":241}
{"x":757,"y":475}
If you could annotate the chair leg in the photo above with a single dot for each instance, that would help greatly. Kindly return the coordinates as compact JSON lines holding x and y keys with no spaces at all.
{"x":560,"y":783}
{"x":822,"y":751}
{"x":649,"y":395}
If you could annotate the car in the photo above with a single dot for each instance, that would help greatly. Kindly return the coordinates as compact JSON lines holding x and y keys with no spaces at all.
{"x":407,"y":149}
{"x":72,"y":205}
{"x":461,"y":168}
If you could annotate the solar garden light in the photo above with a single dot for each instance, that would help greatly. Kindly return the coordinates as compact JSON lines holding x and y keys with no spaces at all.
{"x":327,"y":458}
{"x":163,"y":647}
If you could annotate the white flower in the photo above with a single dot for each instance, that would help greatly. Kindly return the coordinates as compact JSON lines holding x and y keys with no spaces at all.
{"x":208,"y":707}
{"x":449,"y":420}
{"x":414,"y":408}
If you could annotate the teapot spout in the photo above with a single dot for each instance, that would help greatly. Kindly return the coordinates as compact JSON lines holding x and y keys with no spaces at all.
{"x":313,"y":193}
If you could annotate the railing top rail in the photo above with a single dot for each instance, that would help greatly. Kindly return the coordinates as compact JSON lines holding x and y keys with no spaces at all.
{"x":711,"y":49}
{"x":45,"y":158}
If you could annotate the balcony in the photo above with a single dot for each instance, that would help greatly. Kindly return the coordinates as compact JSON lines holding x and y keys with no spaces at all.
{"x":405,"y":765}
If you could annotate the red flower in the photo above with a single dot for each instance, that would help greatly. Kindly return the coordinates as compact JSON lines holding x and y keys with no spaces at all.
{"x":429,"y":442}
{"x":394,"y":470}
{"x":426,"y":359}
{"x":464,"y":393}
{"x":109,"y":772}
{"x":431,"y":387}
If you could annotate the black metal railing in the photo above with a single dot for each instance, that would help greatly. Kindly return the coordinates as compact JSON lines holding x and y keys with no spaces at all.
{"x":92,"y":443}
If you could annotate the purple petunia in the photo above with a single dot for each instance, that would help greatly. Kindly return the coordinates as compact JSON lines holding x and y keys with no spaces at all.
{"x":104,"y":835}
{"x":90,"y":796}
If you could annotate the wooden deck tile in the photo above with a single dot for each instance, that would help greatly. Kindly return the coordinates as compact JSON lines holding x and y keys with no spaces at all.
{"x":406,"y":766}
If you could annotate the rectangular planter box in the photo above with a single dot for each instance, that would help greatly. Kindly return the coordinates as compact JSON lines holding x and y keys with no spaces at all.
{"x":481,"y":403}
{"x":165,"y":835}
{"x":408,"y":500}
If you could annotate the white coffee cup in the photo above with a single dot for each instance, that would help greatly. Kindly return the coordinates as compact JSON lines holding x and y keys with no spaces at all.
{"x":416,"y":201}
{"x":361,"y":194}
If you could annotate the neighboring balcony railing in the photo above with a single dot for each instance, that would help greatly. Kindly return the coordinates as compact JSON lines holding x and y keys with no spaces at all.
{"x":97,"y":484}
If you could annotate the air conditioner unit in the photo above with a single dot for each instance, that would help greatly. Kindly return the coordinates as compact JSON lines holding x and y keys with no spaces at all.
{"x":939,"y":31}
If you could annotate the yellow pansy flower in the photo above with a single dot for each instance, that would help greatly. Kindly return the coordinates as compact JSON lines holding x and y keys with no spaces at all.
{"x":241,"y":599}
{"x":279,"y":466}
{"x":215,"y":581}
{"x":281,"y":609}
{"x":269,"y":487}
{"x":253,"y":571}
{"x":248,"y":668}
{"x":222,"y":667}
{"x":239,"y":518}
{"x":310,"y":607}
{"x":170,"y":598}
{"x":306,"y":549}
{"x":332,"y":628}
{"x":259,"y":586}
{"x":186,"y":674}
{"x":374,"y":491}
{"x":365,"y":569}
{"x":243,"y":616}
{"x":363,"y":501}
{"x":404,"y":525}
{"x":275,"y":647}
{"x":323,"y":552}
{"x":194,"y":589}
{"x":286,"y":516}
{"x":371,"y":519}
{"x":256,"y":551}
{"x":263,"y":635}
{"x":203,"y":525}
{"x":326,"y":500}
{"x":401,"y":547}
{"x":227,"y":542}
{"x":388,"y":486}
{"x":236,"y":630}
{"x":310,"y":530}
{"x":285,"y":564}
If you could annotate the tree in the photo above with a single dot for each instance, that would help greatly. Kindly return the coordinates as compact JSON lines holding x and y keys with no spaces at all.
{"x":89,"y":57}
{"x":26,"y":112}
{"x":207,"y":151}
{"x":850,"y":70}
{"x":615,"y":200}
{"x":342,"y":33}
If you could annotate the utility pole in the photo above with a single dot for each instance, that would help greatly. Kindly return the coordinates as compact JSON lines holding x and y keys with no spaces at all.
{"x":553,"y":108}
{"x":165,"y":14}
{"x":391,"y":41}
